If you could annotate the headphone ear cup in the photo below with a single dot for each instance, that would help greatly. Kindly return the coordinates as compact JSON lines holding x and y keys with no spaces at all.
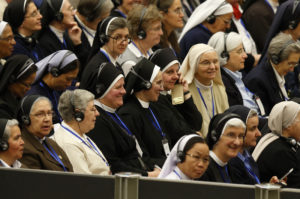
{"x":3,"y":145}
{"x":211,"y":19}
{"x":225,"y":55}
{"x":141,"y":34}
{"x":54,"y":71}
{"x":79,"y":116}
{"x":292,"y":25}
{"x":214,"y":135}
{"x":25,"y":120}
{"x":59,"y":16}
{"x":99,"y":88}
{"x":147,"y":85}
{"x":181,"y":156}
{"x":103,"y":38}
{"x":275,"y":59}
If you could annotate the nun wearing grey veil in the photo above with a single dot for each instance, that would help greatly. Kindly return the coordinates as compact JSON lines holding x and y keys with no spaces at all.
{"x":55,"y":73}
{"x":277,"y":152}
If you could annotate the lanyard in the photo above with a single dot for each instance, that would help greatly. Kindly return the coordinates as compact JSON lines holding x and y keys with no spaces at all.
{"x":156,"y":124}
{"x":139,"y":49}
{"x":118,"y":120}
{"x":267,"y":2}
{"x":34,"y":53}
{"x":105,"y":54}
{"x":53,"y":99}
{"x":93,"y":149}
{"x":212,"y":101}
{"x":85,"y":30}
{"x":121,"y":13}
{"x":176,"y":173}
{"x":52,"y":152}
{"x":221,"y":172}
{"x":246,"y":31}
{"x":248,"y":167}
{"x":63,"y":45}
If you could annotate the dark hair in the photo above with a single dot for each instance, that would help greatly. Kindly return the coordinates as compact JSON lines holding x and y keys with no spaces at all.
{"x":94,"y":9}
{"x":190,"y":144}
{"x":70,"y":66}
{"x":30,"y":71}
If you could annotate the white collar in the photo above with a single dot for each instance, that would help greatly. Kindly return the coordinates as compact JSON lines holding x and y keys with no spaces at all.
{"x":104,"y":107}
{"x":143,"y":103}
{"x":202,"y":86}
{"x":113,"y":61}
{"x":280,"y":79}
{"x":58,"y":33}
{"x":236,"y":74}
{"x":137,"y":51}
{"x":16,"y":165}
{"x":216,"y":159}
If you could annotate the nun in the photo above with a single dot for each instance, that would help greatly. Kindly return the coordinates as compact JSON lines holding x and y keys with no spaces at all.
{"x":17,"y":75}
{"x":25,"y":20}
{"x":232,"y":58}
{"x":188,"y":159}
{"x":7,"y":42}
{"x":111,"y":41}
{"x":186,"y":113}
{"x":143,"y":86}
{"x":111,"y":133}
{"x":40,"y":152}
{"x":208,"y":18}
{"x":58,"y":18}
{"x":201,"y":70}
{"x":11,"y":144}
{"x":278,"y":151}
{"x":225,"y":140}
{"x":55,"y":73}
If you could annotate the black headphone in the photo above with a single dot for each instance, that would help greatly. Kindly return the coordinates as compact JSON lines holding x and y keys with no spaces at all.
{"x":25,"y":119}
{"x":13,"y":77}
{"x":276,"y":58}
{"x":55,"y":71}
{"x":100,"y":87}
{"x":59,"y":16}
{"x":141,"y":34}
{"x":294,"y":22}
{"x":145,"y":84}
{"x":180,"y":154}
{"x":103,"y":37}
{"x":78,"y":115}
{"x":211,"y":19}
{"x":29,"y":40}
{"x":216,"y":127}
{"x":3,"y":143}
{"x":225,"y":53}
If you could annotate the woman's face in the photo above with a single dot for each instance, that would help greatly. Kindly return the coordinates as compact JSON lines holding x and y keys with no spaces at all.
{"x":236,"y":59}
{"x":196,"y":161}
{"x":90,"y":114}
{"x":173,"y":18}
{"x":114,"y":98}
{"x":288,"y":65}
{"x":32,"y":20}
{"x":170,"y":76}
{"x":40,"y":119}
{"x":230,"y":143}
{"x":207,"y":68}
{"x":20,"y":88}
{"x":154,"y":32}
{"x":16,"y":143}
{"x":7,"y":42}
{"x":69,"y":13}
{"x":252,"y":132}
{"x":157,"y":86}
{"x":117,"y":42}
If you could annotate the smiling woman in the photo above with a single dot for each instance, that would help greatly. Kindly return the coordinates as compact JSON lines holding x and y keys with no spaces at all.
{"x":7,"y":41}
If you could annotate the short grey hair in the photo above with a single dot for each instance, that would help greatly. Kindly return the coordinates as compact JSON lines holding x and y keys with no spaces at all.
{"x":117,"y":23}
{"x":71,"y":100}
{"x":94,"y":9}
{"x":283,"y":45}
{"x":7,"y":130}
{"x":37,"y":100}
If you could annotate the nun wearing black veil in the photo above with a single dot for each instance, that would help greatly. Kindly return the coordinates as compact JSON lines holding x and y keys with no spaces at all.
{"x":16,"y":78}
{"x":186,"y":113}
{"x":55,"y":73}
{"x":111,"y":133}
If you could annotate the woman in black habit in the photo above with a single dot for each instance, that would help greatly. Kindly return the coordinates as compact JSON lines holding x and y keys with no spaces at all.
{"x":111,"y":134}
{"x":16,"y":78}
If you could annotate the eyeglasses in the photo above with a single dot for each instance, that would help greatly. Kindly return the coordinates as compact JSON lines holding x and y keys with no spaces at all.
{"x":232,"y":136}
{"x":178,"y":11}
{"x":226,"y":21}
{"x":33,"y":14}
{"x":240,"y":51}
{"x":292,"y":64}
{"x":9,"y":38}
{"x":41,"y":115}
{"x":198,"y":158}
{"x":120,"y":39}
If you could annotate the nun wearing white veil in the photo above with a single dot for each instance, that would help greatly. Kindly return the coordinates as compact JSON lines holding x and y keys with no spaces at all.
{"x":201,"y":70}
{"x":7,"y":41}
{"x":208,"y":18}
{"x":188,"y":159}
